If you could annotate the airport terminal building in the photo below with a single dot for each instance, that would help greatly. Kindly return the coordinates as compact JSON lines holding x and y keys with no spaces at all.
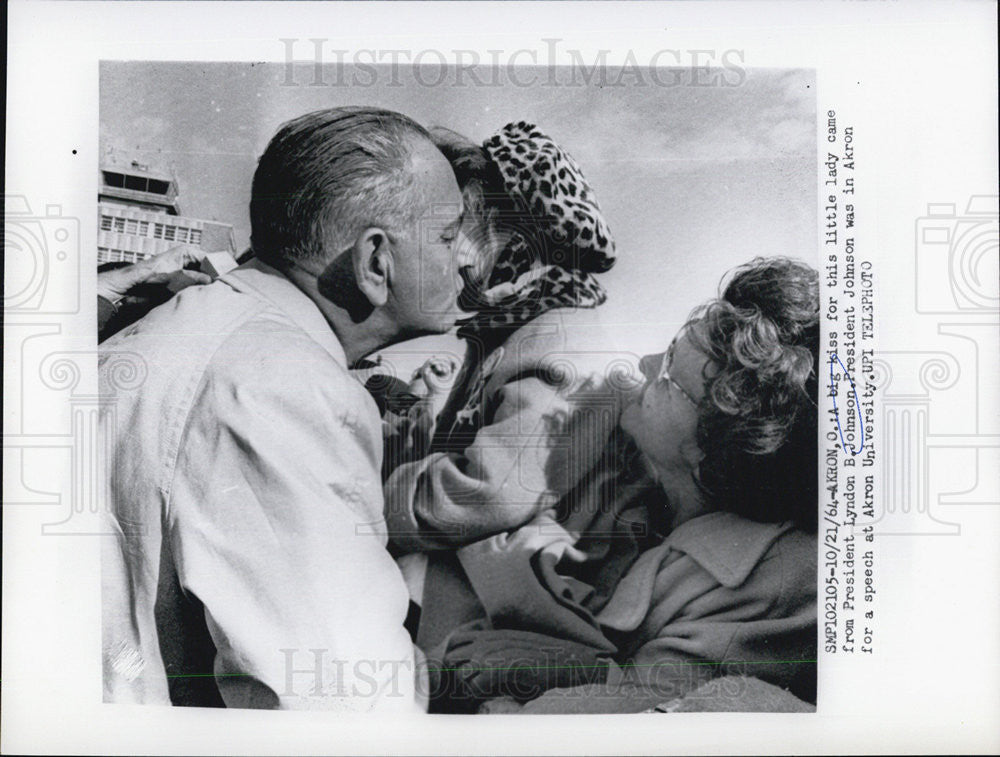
{"x":140,"y":217}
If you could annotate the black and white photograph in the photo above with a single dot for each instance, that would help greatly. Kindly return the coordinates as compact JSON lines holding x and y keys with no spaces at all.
{"x":467,"y":395}
{"x":473,"y":377}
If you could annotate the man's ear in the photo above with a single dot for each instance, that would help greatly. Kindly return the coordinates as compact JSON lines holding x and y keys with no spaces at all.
{"x":372,"y":261}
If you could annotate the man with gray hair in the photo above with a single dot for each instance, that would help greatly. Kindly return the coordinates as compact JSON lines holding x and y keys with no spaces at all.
{"x":248,"y":565}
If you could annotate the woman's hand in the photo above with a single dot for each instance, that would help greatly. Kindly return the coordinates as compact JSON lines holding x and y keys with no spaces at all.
{"x":544,"y":534}
{"x":540,"y":534}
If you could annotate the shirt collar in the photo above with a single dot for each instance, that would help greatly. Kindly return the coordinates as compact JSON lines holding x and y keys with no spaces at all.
{"x":269,"y":283}
{"x":726,"y":545}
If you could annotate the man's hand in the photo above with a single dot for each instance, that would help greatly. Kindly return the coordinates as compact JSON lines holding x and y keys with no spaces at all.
{"x":432,"y":382}
{"x":435,"y":377}
{"x":166,"y":268}
{"x":160,"y":268}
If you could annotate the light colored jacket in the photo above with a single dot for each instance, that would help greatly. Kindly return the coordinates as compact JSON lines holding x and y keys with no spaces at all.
{"x":720,"y":595}
{"x":249,"y":565}
{"x":551,"y":395}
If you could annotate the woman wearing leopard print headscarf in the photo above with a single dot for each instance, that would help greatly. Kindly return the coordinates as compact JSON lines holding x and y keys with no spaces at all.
{"x":531,"y":423}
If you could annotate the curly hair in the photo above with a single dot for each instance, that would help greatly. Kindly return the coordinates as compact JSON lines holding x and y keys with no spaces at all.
{"x":757,"y":424}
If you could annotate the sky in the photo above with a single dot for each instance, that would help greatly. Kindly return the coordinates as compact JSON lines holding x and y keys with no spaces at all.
{"x":693,"y":180}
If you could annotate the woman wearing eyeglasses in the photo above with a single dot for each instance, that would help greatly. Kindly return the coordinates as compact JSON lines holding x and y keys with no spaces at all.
{"x":727,"y":423}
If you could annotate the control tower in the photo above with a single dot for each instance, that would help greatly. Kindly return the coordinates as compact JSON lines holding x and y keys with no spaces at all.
{"x":140,"y":216}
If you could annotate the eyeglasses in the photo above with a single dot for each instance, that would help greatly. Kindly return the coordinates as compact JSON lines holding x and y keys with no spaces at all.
{"x":664,"y":374}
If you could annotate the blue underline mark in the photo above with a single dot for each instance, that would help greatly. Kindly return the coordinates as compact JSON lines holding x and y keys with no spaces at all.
{"x":836,"y":410}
